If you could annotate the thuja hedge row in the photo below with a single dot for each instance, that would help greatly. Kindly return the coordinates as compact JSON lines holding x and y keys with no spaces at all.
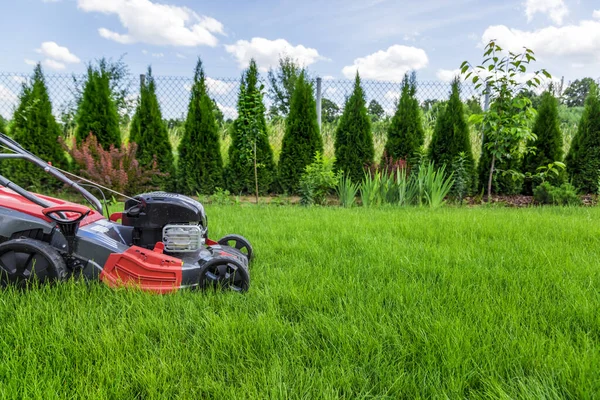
{"x":196,"y":165}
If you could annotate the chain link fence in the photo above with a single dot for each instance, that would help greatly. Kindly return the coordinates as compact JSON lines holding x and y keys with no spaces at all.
{"x":173,"y":93}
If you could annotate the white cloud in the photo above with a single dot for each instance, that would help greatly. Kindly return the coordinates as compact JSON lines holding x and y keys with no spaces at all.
{"x":19,"y":79}
{"x":228,"y":112}
{"x":330,"y":91}
{"x":392,"y":95}
{"x":580,"y":42}
{"x":447,"y":75}
{"x":6,"y":94}
{"x":179,"y":55}
{"x":411,"y":37}
{"x":53,"y":64}
{"x":158,"y":55}
{"x":556,"y":10}
{"x":328,"y":78}
{"x":217,"y":87}
{"x":30,"y":62}
{"x":8,"y":100}
{"x":50,"y":1}
{"x":388,"y":65}
{"x":266,"y":52}
{"x":144,"y":51}
{"x":596,"y":14}
{"x":157,"y":24}
{"x":58,"y":53}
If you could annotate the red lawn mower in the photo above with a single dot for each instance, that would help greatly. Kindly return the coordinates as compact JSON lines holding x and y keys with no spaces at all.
{"x":161,"y":243}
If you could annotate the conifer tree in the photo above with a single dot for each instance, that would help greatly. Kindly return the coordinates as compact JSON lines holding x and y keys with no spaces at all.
{"x":354,"y":149}
{"x":97,"y":112}
{"x":548,"y":143}
{"x":302,"y":139}
{"x":35,"y":128}
{"x":405,"y":134}
{"x":583,"y":159}
{"x":451,"y":135}
{"x":149,"y":132}
{"x":239,"y":173}
{"x":200,"y":166}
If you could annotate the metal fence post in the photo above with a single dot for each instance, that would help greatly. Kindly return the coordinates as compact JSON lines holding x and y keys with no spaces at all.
{"x":319,"y":101}
{"x":142,"y":80}
{"x":486,"y":100}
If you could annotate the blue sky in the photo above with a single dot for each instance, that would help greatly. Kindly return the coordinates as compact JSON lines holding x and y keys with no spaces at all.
{"x":382,"y":38}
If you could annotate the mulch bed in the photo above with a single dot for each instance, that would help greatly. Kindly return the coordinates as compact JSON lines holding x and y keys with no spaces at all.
{"x":522,"y":201}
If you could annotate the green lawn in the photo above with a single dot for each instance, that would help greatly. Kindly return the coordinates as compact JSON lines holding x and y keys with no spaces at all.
{"x":361,"y":303}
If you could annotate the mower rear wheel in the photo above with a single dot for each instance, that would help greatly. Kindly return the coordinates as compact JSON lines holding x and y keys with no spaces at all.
{"x":24,"y":261}
{"x":238,"y":242}
{"x":224,"y":273}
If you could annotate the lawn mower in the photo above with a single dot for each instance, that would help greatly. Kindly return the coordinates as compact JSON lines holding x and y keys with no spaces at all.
{"x":158,"y":243}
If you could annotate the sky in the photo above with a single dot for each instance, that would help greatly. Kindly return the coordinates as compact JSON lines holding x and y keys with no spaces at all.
{"x":383,"y":39}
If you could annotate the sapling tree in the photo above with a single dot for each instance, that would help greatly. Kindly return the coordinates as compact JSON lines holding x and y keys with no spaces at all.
{"x":506,"y":124}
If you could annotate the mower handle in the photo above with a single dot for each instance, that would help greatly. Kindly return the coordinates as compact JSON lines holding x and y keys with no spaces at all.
{"x":57,"y":213}
{"x":21,"y":153}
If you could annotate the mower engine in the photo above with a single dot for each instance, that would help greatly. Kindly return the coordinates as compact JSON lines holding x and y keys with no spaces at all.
{"x":178,"y":221}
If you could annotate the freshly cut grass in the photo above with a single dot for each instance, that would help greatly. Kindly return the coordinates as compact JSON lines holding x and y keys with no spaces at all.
{"x":344,"y":303}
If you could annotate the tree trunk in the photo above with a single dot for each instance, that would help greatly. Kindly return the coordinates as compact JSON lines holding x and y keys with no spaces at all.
{"x":489,"y":188}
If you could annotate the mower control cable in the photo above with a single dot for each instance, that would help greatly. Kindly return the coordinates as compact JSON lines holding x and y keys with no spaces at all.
{"x":96,"y":184}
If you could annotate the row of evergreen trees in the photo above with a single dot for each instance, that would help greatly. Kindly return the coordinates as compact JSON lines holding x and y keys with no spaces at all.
{"x":200,"y":167}
{"x":405,"y":136}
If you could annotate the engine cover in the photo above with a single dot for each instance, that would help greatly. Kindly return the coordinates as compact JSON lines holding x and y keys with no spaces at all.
{"x":150,"y":213}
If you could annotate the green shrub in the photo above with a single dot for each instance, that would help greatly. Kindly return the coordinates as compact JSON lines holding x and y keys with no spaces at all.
{"x":426,"y":186}
{"x":200,"y":165}
{"x":239,"y":173}
{"x":451,"y":137}
{"x":317,"y":181}
{"x":405,"y":134}
{"x":3,"y":124}
{"x":302,"y":139}
{"x":97,"y":112}
{"x":548,"y":142}
{"x":563,"y":195}
{"x":36,"y":129}
{"x":583,"y":160}
{"x":347,"y":191}
{"x":463,"y":176}
{"x":354,"y":149}
{"x":149,"y":132}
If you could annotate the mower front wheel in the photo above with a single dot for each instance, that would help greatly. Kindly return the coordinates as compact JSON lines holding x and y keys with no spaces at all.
{"x":24,"y":261}
{"x":238,"y":242}
{"x":224,"y":273}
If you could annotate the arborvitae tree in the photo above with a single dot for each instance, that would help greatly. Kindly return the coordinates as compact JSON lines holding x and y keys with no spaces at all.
{"x":239,"y":174}
{"x":405,"y":134}
{"x":354,"y":149}
{"x":302,"y":139}
{"x":451,"y":134}
{"x":97,"y":112}
{"x":549,"y":142}
{"x":149,"y":132}
{"x":35,"y":128}
{"x":200,"y":166}
{"x":583,"y":160}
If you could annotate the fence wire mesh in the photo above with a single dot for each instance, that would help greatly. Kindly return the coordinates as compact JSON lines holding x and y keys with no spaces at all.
{"x":173,"y":93}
